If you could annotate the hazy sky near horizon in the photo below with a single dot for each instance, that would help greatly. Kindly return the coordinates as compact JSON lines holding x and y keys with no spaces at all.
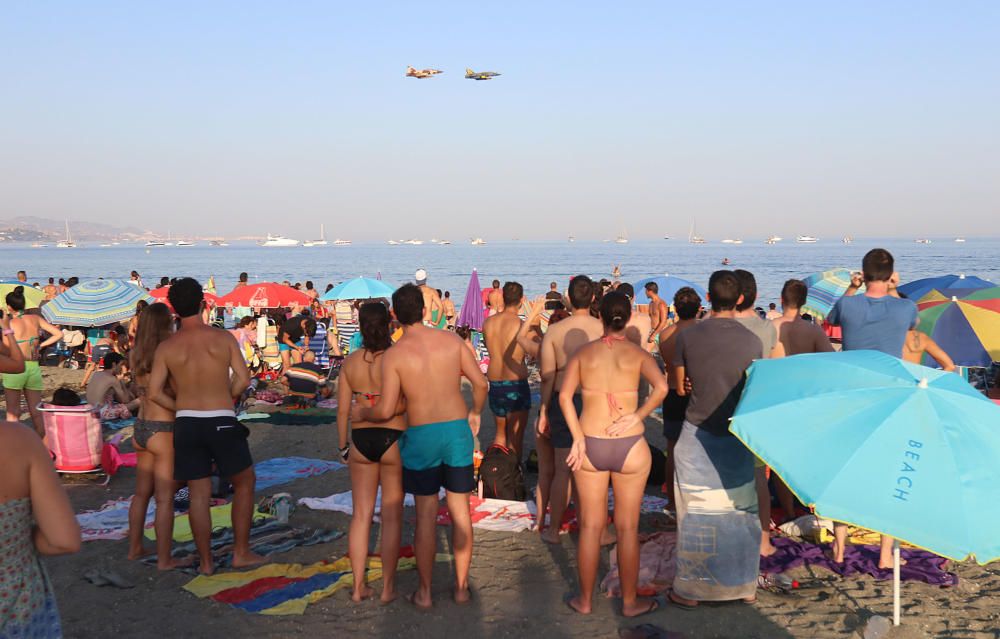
{"x":862,"y":118}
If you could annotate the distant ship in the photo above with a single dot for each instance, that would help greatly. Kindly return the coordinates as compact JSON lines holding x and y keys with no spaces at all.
{"x":730,"y":241}
{"x":666,"y":237}
{"x":218,"y":243}
{"x":847,"y":239}
{"x":413,"y":242}
{"x":622,"y":238}
{"x":37,"y":245}
{"x":393,"y":242}
{"x":340,"y":242}
{"x":185,"y":243}
{"x":68,"y":242}
{"x":960,"y":240}
{"x":922,"y":241}
{"x":320,"y":242}
{"x":693,"y":237}
{"x":572,"y":238}
{"x":774,"y":239}
{"x":444,"y":242}
{"x":277,"y":241}
{"x":154,"y":243}
{"x":806,"y":239}
{"x":478,"y":241}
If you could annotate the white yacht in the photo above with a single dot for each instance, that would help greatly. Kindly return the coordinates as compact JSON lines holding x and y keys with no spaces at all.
{"x":666,"y":237}
{"x":847,"y":239}
{"x":320,"y":242}
{"x":806,"y":239}
{"x":478,"y":241}
{"x":185,"y":243}
{"x":960,"y":240}
{"x":444,"y":242}
{"x":774,"y":239}
{"x":154,"y":243}
{"x":923,"y":241}
{"x":732,"y":241}
{"x":340,"y":242}
{"x":68,"y":242}
{"x":37,"y":245}
{"x":277,"y":241}
{"x":218,"y":243}
{"x":393,"y":243}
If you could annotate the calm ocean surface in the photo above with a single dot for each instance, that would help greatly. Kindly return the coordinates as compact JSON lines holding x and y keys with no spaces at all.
{"x":533,"y":264}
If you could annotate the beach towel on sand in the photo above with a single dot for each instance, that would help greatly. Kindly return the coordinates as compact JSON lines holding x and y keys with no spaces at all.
{"x":288,"y":589}
{"x":222,"y":517}
{"x":281,"y":470}
{"x":657,"y":565}
{"x":344,"y":502}
{"x":110,"y":521}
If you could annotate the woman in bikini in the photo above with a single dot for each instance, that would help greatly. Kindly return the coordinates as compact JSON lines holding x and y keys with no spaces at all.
{"x":372,"y":454}
{"x":154,"y":445}
{"x":27,"y":336}
{"x":609,"y":447}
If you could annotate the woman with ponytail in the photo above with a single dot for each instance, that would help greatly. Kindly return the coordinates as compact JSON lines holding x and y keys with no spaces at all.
{"x":27,"y":331}
{"x":609,"y":447}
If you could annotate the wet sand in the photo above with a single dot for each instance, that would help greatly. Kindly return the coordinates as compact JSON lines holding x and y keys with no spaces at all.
{"x":519,"y":582}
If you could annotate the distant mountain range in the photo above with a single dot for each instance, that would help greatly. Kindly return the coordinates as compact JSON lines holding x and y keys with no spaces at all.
{"x":34,"y":229}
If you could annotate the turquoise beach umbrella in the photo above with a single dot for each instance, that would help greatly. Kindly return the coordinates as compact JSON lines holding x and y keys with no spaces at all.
{"x":361,"y":288}
{"x":868,"y":439}
{"x":95,"y":303}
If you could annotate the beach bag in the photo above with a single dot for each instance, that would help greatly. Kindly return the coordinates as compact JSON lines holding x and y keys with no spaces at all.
{"x":500,"y":474}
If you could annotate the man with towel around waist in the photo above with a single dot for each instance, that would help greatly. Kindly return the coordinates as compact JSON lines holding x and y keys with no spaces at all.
{"x":426,"y":367}
{"x":196,"y":362}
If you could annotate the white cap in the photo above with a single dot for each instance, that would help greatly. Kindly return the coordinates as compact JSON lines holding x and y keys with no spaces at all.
{"x":420,"y":275}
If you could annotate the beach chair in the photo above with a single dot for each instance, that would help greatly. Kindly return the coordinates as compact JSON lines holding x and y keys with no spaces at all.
{"x":320,"y":347}
{"x":270,"y":352}
{"x":73,"y":435}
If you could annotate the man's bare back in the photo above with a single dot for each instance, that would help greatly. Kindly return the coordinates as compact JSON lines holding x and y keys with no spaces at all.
{"x":198,"y":360}
{"x":506,"y":357}
{"x":564,"y":339}
{"x":432,"y":303}
{"x":638,"y":329}
{"x":495,"y":301}
{"x":798,"y":336}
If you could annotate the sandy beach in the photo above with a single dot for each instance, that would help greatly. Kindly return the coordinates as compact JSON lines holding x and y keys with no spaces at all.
{"x":519,"y":582}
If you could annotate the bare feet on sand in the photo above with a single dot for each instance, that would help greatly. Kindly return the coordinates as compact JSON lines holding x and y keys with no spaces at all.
{"x":551,"y":536}
{"x":639,"y":607}
{"x":388,"y":596}
{"x":175,"y":562}
{"x":888,"y":564}
{"x":462,"y":596}
{"x":421,"y":600}
{"x":362,"y":593}
{"x":577,"y":605}
{"x":244,"y":560}
{"x":766,"y":547}
{"x":206,"y":569}
{"x":138,"y":553}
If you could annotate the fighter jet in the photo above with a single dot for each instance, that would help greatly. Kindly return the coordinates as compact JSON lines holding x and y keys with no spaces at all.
{"x":482,"y":75}
{"x":421,"y":74}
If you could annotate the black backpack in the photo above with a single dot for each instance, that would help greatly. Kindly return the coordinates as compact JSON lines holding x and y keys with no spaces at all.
{"x":500,"y":474}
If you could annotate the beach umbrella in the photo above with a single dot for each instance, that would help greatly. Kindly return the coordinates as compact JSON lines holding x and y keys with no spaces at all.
{"x":95,"y":303}
{"x":360,"y":288}
{"x":33,"y":297}
{"x":668,"y":286}
{"x":967,"y":328}
{"x":825,"y":289}
{"x":868,"y":439}
{"x":160,"y":295}
{"x":918,"y":288}
{"x":265,"y":295}
{"x":473,"y":313}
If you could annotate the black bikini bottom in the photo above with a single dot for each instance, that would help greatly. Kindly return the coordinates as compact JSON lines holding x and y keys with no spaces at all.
{"x":373,"y":442}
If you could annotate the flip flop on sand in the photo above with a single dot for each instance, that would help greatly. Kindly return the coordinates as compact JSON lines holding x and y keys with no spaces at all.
{"x":653,"y":607}
{"x":672,"y":600}
{"x":116,"y":580}
{"x":94,"y":577}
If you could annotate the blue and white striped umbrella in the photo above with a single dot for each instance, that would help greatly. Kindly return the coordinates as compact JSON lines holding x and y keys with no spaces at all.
{"x":95,"y":303}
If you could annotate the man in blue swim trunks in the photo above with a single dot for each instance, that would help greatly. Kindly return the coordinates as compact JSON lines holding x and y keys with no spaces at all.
{"x":510,"y":396}
{"x":426,"y":367}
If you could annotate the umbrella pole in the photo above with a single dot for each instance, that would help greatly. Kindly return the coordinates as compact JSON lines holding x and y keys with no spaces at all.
{"x":895,"y":582}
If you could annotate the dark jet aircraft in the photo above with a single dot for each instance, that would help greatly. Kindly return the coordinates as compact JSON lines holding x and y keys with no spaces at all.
{"x":481,"y":75}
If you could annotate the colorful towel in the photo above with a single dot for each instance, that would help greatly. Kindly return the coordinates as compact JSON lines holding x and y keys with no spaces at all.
{"x":657,"y":566}
{"x":281,"y":470}
{"x":288,"y":589}
{"x":118,"y":424}
{"x":496,"y":514}
{"x":110,"y":521}
{"x":266,"y":538}
{"x":221,"y":518}
{"x":920,"y":564}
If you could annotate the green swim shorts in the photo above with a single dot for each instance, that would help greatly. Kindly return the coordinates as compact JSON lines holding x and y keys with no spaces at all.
{"x":30,"y":379}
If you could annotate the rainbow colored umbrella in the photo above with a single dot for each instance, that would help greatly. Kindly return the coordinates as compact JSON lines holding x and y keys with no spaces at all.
{"x":32,"y":296}
{"x":952,"y":284}
{"x":967,"y":328}
{"x":824,"y":290}
{"x":95,"y":303}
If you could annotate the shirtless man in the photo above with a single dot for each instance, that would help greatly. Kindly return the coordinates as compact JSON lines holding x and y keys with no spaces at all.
{"x":426,"y":367}
{"x":687,"y":303}
{"x":495,"y":300}
{"x":433,"y":308}
{"x":560,"y":343}
{"x":795,"y":335}
{"x":657,"y":311}
{"x":639,"y":324}
{"x":205,"y":371}
{"x":510,"y":396}
{"x":50,"y":290}
{"x":108,"y":385}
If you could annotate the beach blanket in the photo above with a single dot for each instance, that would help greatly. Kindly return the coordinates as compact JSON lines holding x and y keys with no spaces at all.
{"x":288,"y":589}
{"x":221,"y":518}
{"x":920,"y":565}
{"x":496,"y":514}
{"x":267,"y":538}
{"x":110,"y":521}
{"x":281,"y":470}
{"x":657,"y":566}
{"x":343,"y":502}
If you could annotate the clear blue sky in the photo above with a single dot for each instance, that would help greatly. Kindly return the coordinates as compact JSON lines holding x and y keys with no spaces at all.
{"x":868,"y":118}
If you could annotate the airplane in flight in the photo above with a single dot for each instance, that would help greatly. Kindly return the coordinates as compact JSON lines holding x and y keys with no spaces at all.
{"x":481,"y":75}
{"x":422,"y":73}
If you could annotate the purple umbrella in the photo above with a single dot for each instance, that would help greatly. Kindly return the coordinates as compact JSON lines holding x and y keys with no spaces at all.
{"x":473,"y":314}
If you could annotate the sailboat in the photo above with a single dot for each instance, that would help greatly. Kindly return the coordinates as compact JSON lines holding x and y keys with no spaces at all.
{"x":622,"y":238}
{"x":693,"y":237}
{"x":68,"y":242}
{"x":320,"y":242}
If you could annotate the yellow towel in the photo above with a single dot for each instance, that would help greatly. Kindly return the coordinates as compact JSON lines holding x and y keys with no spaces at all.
{"x":221,"y":518}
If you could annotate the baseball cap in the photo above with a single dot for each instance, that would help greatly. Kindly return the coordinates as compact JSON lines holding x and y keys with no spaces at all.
{"x":420,"y":275}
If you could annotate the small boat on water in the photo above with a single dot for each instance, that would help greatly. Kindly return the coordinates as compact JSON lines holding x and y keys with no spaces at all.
{"x":478,"y":241}
{"x":218,"y":243}
{"x":185,"y":243}
{"x":922,"y":240}
{"x":960,"y":240}
{"x":693,"y":237}
{"x":68,"y":242}
{"x":414,"y":242}
{"x":340,"y":242}
{"x":622,"y":238}
{"x":37,"y":245}
{"x":444,"y":242}
{"x":774,"y":239}
{"x":666,"y":237}
{"x":847,"y":239}
{"x":393,"y":242}
{"x":154,"y":243}
{"x":572,"y":238}
{"x":806,"y":239}
{"x":278,"y":241}
{"x":732,"y":241}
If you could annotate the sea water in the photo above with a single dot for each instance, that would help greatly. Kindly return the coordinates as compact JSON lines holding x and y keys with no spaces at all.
{"x":532,"y":263}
